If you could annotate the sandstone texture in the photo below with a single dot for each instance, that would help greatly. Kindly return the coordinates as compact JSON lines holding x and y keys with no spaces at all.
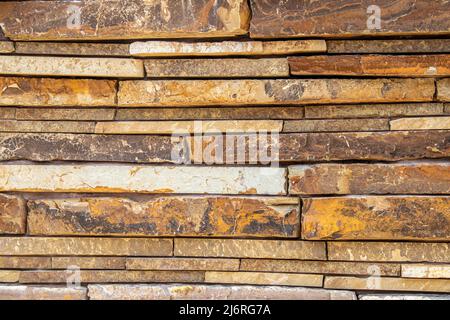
{"x":7,"y":276}
{"x":25,"y":263}
{"x":73,"y":48}
{"x":336,"y":125}
{"x":428,"y":271}
{"x":7,"y":113}
{"x":20,"y":292}
{"x":71,"y":114}
{"x":12,"y":215}
{"x":443,"y":90}
{"x":6,"y":47}
{"x":109,"y":263}
{"x":47,"y":126}
{"x":388,"y":46}
{"x":432,"y":123}
{"x":190,"y":264}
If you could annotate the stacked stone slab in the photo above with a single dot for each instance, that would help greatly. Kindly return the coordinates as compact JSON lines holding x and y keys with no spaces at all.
{"x":225,"y":150}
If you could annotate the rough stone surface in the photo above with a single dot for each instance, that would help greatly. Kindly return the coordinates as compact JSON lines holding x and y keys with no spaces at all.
{"x":41,"y":293}
{"x":432,"y":123}
{"x":84,"y":147}
{"x":7,"y":276}
{"x":283,"y":91}
{"x":109,"y":263}
{"x":376,"y":218}
{"x":443,"y":90}
{"x":216,"y":68}
{"x":25,"y":263}
{"x":403,"y":297}
{"x":428,"y":271}
{"x":78,"y":49}
{"x":47,"y":126}
{"x":71,"y":114}
{"x":333,"y":125}
{"x":29,"y":246}
{"x":372,"y":65}
{"x":124,"y":19}
{"x":166,"y":216}
{"x":260,"y":278}
{"x":389,"y":251}
{"x":403,"y":178}
{"x":293,"y":18}
{"x":6,"y":47}
{"x":270,"y":249}
{"x":225,"y":48}
{"x":204,"y":113}
{"x":7,"y":113}
{"x":320,"y":267}
{"x":106,"y":276}
{"x":71,"y":67}
{"x":388,"y":284}
{"x":12,"y":215}
{"x":373,"y":110}
{"x":192,"y":264}
{"x":56,"y":92}
{"x":388,"y":46}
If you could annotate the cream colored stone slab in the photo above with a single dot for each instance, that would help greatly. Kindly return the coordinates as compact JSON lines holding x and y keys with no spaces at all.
{"x":190,"y":264}
{"x":261,"y":278}
{"x":429,"y":271}
{"x":432,"y":123}
{"x":41,"y":293}
{"x":71,"y":67}
{"x":142,"y":179}
{"x":6,"y":47}
{"x":47,"y":126}
{"x":173,"y":127}
{"x":225,"y":48}
{"x":7,"y":276}
{"x":403,"y":297}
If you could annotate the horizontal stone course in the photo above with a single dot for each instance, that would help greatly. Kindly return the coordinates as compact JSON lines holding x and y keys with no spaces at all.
{"x":388,"y":46}
{"x":109,"y":263}
{"x":47,"y":126}
{"x":336,"y":125}
{"x":431,"y":123}
{"x":71,"y":114}
{"x":25,"y":263}
{"x":73,"y":48}
{"x":21,"y":292}
{"x":190,"y":264}
{"x":428,"y":271}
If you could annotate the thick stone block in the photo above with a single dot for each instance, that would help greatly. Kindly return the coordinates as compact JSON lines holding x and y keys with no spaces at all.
{"x":109,"y":263}
{"x":71,"y":114}
{"x":33,"y":246}
{"x":216,"y":68}
{"x":19,"y":292}
{"x":270,"y":249}
{"x":93,"y":20}
{"x":388,"y":46}
{"x":47,"y":126}
{"x":428,"y":271}
{"x":389,"y":251}
{"x":329,"y":18}
{"x":376,"y":218}
{"x":190,"y":264}
{"x":166,"y":216}
{"x":41,"y":92}
{"x":9,"y":276}
{"x":443,"y":90}
{"x":25,"y":263}
{"x":336,"y":125}
{"x":188,"y":93}
{"x":403,"y":178}
{"x":431,"y":123}
{"x":74,"y":48}
{"x":12,"y":215}
{"x":260,"y":278}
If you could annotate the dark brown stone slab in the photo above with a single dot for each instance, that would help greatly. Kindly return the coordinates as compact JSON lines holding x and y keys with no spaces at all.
{"x":389,"y":46}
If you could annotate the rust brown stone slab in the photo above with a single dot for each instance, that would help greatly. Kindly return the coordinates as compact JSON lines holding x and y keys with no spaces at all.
{"x":33,"y":246}
{"x":376,"y":218}
{"x":187,"y":93}
{"x":389,"y":251}
{"x":407,"y":178}
{"x":106,"y":276}
{"x":75,"y":49}
{"x":293,"y":18}
{"x":109,"y":263}
{"x":372,"y":65}
{"x":56,"y":92}
{"x":336,"y":125}
{"x":135,"y":19}
{"x":18,"y":292}
{"x":47,"y":126}
{"x":25,"y":263}
{"x":193,"y":264}
{"x":72,"y":114}
{"x":320,"y":267}
{"x":388,"y":46}
{"x":12,"y":215}
{"x":443,"y":90}
{"x":166,"y":216}
{"x":6,"y":46}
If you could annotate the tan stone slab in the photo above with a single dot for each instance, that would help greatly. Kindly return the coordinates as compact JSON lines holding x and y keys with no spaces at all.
{"x":320,"y":267}
{"x":12,"y":215}
{"x":106,"y":276}
{"x":7,"y":276}
{"x":216,"y":68}
{"x":56,"y":92}
{"x":336,"y":125}
{"x":177,"y":127}
{"x":293,"y":18}
{"x":373,"y":110}
{"x":7,"y":113}
{"x":92,"y":20}
{"x":230,"y":248}
{"x":405,"y":297}
{"x":372,"y":65}
{"x":205,"y":113}
{"x":431,"y":123}
{"x":388,"y":284}
{"x":443,"y":89}
{"x":25,"y":263}
{"x":389,"y":251}
{"x":110,"y":263}
{"x":400,"y":178}
{"x":47,"y":126}
{"x":33,"y":246}
{"x":260,"y":278}
{"x":71,"y":67}
{"x":225,"y":48}
{"x":142,"y":179}
{"x":190,"y":264}
{"x":174,"y":93}
{"x":429,"y":271}
{"x":376,"y":218}
{"x":447,"y":108}
{"x":19,"y":292}
{"x":6,"y":47}
{"x":74,"y":48}
{"x":213,"y":292}
{"x":388,"y":46}
{"x":70,"y":114}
